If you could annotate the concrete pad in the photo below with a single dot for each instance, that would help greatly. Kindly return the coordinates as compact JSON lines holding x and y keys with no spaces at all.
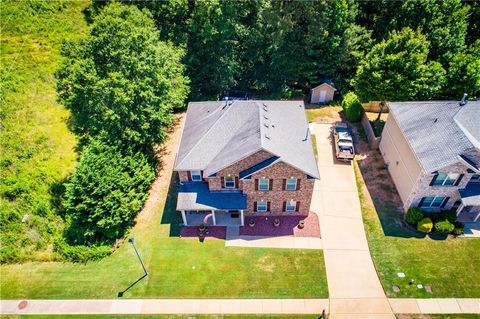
{"x":337,"y":179}
{"x":363,"y":316}
{"x":272,"y":306}
{"x":341,"y":204}
{"x":449,"y":305}
{"x":404,"y":305}
{"x":127,"y":306}
{"x":343,"y":233}
{"x":351,"y":274}
{"x":469,"y":305}
{"x":360,"y":306}
{"x":162,"y":306}
{"x":317,"y":305}
{"x":429,"y":306}
{"x":293,"y":306}
{"x":291,"y":242}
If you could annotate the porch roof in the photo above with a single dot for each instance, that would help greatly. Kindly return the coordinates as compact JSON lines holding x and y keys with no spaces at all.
{"x":197,"y":196}
{"x":470,"y":194}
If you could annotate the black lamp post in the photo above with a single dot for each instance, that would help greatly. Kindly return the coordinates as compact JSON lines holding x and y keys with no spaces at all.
{"x":131,"y":240}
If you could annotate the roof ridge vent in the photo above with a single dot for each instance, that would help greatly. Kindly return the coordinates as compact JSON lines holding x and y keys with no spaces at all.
{"x":265,"y":108}
{"x":266,"y":124}
{"x":267,"y":136}
{"x":265,"y":116}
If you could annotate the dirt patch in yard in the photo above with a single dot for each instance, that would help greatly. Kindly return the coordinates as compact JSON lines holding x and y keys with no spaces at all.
{"x":325,"y":114}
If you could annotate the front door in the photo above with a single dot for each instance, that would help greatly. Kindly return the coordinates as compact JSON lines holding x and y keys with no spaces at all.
{"x":323,"y":95}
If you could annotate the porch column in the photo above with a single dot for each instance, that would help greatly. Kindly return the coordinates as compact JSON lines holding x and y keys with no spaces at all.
{"x":184,"y":217}
{"x":459,"y":209}
{"x":241,"y":218}
{"x":213,"y":218}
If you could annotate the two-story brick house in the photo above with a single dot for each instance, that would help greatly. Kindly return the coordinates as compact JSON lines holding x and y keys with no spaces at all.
{"x":432,"y":150}
{"x":244,"y":158}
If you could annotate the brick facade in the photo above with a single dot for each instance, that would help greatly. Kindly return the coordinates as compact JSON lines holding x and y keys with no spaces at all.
{"x":277,"y":173}
{"x":423,"y":189}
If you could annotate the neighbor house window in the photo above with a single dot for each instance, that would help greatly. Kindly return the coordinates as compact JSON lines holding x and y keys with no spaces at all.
{"x":262,"y":206}
{"x":229,"y":181}
{"x":264,"y":184}
{"x":196,"y":176}
{"x":444,"y":179}
{"x":291,"y":184}
{"x":432,"y":201}
{"x":291,"y":206}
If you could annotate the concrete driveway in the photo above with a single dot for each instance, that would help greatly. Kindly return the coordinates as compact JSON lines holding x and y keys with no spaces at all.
{"x":354,"y":288}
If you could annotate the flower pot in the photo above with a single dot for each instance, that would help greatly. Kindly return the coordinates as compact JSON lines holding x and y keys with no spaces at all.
{"x":251,"y":223}
{"x":276,"y":222}
{"x":301,"y":224}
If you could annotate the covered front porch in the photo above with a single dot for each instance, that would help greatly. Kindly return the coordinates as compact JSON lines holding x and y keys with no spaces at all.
{"x":469,"y":209}
{"x":198,"y":205}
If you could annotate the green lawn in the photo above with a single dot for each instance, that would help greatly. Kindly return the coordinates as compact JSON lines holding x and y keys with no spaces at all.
{"x":450,"y":266}
{"x":178,"y":268}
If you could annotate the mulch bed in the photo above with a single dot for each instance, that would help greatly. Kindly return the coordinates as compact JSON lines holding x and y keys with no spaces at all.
{"x":288,"y":226}
{"x":213,"y":232}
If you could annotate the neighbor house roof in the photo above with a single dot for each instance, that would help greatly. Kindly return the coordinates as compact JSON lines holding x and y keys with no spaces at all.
{"x":197,"y":196}
{"x":433,"y":134}
{"x":219,"y":134}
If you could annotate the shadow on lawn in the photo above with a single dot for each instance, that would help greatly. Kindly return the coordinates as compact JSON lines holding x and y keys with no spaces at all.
{"x":380,"y":186}
{"x":170,"y":215}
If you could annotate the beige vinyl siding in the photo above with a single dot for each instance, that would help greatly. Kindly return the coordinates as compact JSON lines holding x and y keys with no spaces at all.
{"x":403,"y":166}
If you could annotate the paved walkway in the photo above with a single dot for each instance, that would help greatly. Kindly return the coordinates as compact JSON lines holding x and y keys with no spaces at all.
{"x":353,"y":284}
{"x":167,"y":306}
{"x":435,"y":305}
{"x":471,"y":230}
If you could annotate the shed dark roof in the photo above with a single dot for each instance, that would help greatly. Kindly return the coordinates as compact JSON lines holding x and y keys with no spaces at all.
{"x":197,"y":196}
{"x":218,"y":134}
{"x":432,"y":132}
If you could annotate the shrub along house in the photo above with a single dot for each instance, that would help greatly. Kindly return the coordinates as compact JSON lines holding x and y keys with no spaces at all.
{"x":432,"y":153}
{"x":244,"y":158}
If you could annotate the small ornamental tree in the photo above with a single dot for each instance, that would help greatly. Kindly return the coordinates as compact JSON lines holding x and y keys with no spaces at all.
{"x":444,"y":226}
{"x":414,"y":215}
{"x":106,"y":191}
{"x":352,"y":107}
{"x":425,"y":225}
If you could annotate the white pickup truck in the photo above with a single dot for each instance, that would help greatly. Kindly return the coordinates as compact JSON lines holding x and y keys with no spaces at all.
{"x":343,"y":142}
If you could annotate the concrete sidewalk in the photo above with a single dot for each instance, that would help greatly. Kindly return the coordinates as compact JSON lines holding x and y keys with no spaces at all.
{"x":167,"y":306}
{"x":435,"y":305}
{"x":274,"y":242}
{"x":353,"y":284}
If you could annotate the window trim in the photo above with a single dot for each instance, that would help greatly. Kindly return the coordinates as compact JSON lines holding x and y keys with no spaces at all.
{"x":294,"y":206}
{"x":286,"y":184}
{"x":199,"y":174}
{"x":266,"y":206}
{"x":260,"y":184}
{"x":225,"y":181}
{"x":423,"y":200}
{"x":447,"y":179}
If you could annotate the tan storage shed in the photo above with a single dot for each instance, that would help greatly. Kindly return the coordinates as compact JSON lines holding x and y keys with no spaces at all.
{"x":322,"y":94}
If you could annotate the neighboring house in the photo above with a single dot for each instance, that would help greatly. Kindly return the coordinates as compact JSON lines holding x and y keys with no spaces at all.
{"x":432,"y":153}
{"x":322,"y":93}
{"x":244,"y":158}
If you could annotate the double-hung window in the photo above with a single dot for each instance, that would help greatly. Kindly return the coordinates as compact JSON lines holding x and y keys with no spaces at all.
{"x":290,"y":206}
{"x":291,"y":184}
{"x":262,"y":206}
{"x":196,"y":176}
{"x":263,"y":184}
{"x":229,"y":181}
{"x":432,"y":201}
{"x":445,"y":179}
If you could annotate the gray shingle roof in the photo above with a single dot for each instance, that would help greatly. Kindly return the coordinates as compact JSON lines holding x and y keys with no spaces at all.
{"x":197,"y":196}
{"x":218,"y":134}
{"x":468,"y":119}
{"x":431,"y":131}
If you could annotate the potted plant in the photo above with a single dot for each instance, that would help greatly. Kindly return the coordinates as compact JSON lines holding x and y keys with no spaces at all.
{"x":251,"y":222}
{"x":276,"y":222}
{"x":202,"y":227}
{"x":301,"y":224}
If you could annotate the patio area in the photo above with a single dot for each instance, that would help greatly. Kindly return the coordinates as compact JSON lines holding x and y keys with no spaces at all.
{"x":221,"y":218}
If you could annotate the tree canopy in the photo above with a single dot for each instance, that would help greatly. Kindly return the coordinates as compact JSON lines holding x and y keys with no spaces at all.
{"x":121,"y":80}
{"x":398,"y":69}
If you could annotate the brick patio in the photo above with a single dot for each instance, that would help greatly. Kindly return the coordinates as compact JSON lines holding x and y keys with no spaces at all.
{"x":288,"y":226}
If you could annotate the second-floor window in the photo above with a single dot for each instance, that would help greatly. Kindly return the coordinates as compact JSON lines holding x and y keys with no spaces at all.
{"x":263,"y":184}
{"x":262,"y":206}
{"x":291,"y":184}
{"x":290,"y":206}
{"x":445,"y":179}
{"x":196,"y":176}
{"x":229,"y":181}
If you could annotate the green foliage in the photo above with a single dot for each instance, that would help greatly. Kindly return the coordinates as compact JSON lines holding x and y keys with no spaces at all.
{"x":120,"y":79}
{"x":397,"y":69}
{"x":352,"y":107}
{"x":444,"y":226}
{"x":36,"y":147}
{"x":414,"y":215}
{"x":458,"y":230}
{"x":105,"y":192}
{"x":425,"y":225}
{"x":80,"y":253}
{"x":464,"y":73}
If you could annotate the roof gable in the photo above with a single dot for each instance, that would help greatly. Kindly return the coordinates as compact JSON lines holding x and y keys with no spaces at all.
{"x":324,"y":84}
